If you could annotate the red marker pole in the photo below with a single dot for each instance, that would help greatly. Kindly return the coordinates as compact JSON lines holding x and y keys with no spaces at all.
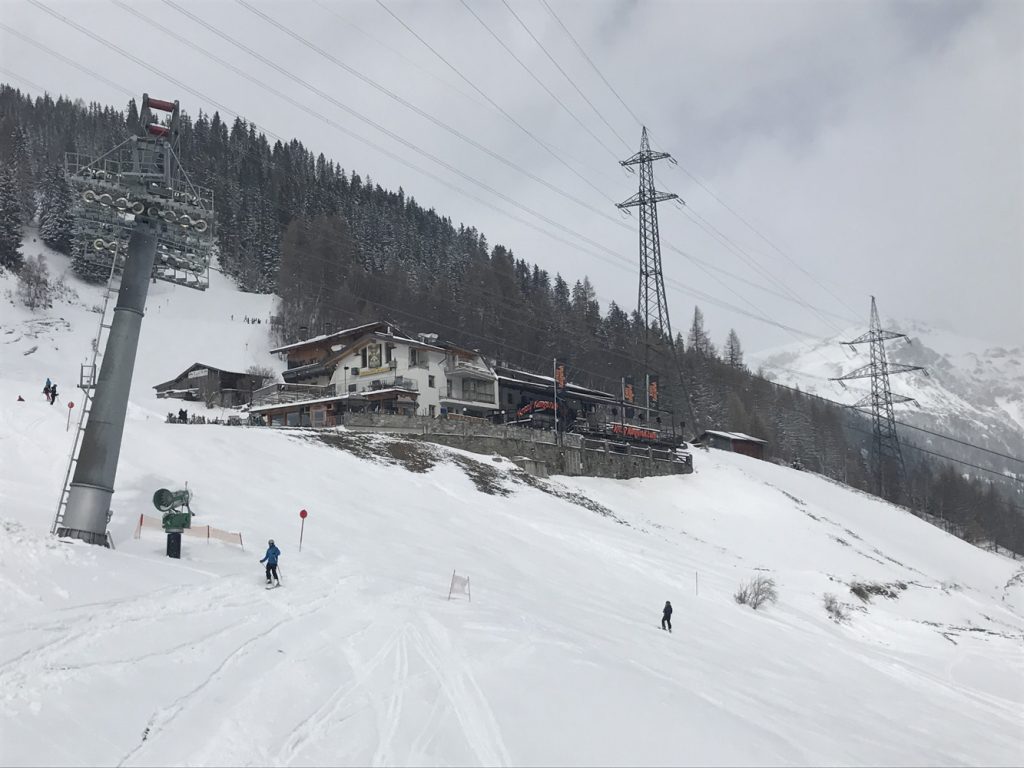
{"x":302,"y":529}
{"x":70,"y":406}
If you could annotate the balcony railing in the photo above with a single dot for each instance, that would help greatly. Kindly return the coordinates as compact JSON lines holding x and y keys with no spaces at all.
{"x":460,"y":365}
{"x":389,"y":382}
{"x":471,"y":397}
{"x":290,"y":393}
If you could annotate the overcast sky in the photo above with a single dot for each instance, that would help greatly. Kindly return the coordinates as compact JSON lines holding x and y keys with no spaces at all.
{"x":842,"y":148}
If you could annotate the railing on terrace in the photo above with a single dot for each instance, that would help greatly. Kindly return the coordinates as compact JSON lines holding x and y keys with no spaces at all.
{"x":389,"y":382}
{"x":467,"y":366}
{"x":290,"y":393}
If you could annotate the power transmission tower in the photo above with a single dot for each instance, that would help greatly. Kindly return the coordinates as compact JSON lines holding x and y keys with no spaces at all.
{"x":652,"y":304}
{"x":879,"y":403}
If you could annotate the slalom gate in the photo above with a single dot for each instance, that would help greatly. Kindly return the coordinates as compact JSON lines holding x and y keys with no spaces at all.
{"x":196,"y":532}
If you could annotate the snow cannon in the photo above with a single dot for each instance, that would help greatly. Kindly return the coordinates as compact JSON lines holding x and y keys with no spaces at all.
{"x":176,"y":518}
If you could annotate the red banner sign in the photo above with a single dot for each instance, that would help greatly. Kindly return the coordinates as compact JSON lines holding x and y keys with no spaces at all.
{"x":636,"y":432}
{"x":539,"y":405}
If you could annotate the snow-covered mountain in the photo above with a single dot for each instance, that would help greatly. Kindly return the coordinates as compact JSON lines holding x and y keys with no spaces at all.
{"x":127,"y":657}
{"x":970,"y":390}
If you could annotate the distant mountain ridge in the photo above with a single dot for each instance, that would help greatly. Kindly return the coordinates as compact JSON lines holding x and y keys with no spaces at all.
{"x":970,"y":390}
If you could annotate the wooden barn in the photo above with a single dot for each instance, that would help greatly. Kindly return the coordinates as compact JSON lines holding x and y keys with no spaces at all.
{"x":737,"y":442}
{"x":204,"y":382}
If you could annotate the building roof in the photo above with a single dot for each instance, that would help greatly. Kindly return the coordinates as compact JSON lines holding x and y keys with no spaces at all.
{"x":196,"y":367}
{"x":734,"y":436}
{"x":536,"y":379}
{"x":327,"y":337}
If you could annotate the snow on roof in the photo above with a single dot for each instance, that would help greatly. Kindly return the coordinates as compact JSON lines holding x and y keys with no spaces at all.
{"x":734,"y":436}
{"x":326,"y":336}
{"x":548,"y":379}
{"x":196,"y":367}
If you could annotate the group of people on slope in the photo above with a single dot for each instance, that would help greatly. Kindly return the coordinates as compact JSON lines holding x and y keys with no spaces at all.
{"x":50,"y":391}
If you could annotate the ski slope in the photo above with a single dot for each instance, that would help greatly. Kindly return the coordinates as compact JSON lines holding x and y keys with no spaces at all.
{"x":126,"y":657}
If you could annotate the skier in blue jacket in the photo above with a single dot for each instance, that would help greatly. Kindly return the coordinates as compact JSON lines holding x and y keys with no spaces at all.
{"x":271,"y":560}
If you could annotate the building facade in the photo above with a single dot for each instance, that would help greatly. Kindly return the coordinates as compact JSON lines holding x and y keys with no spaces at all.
{"x":378,"y":367}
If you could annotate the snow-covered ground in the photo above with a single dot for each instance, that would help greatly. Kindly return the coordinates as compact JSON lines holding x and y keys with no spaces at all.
{"x":127,"y":657}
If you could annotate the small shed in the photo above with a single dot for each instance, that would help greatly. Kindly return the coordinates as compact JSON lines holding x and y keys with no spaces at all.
{"x":202,"y":382}
{"x":737,"y":442}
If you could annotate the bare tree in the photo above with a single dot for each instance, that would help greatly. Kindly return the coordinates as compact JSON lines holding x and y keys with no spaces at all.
{"x":261,"y":375}
{"x":756,"y":592}
{"x":34,"y":288}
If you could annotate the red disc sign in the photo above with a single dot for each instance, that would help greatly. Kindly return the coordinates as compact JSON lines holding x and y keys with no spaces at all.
{"x":71,"y":404}
{"x":303,"y":514}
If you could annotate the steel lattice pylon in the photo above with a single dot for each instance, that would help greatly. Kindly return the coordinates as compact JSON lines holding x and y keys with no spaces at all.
{"x":651,"y":301}
{"x":879,"y":403}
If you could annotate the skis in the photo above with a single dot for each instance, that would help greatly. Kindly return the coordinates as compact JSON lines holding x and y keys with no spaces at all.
{"x":273,"y":586}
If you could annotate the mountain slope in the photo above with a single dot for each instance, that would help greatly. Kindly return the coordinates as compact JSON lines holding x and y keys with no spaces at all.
{"x":128,"y":657}
{"x":971,"y":391}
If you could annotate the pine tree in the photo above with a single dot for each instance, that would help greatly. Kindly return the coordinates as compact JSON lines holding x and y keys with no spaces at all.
{"x":10,"y":220}
{"x":733,"y":352}
{"x":699,"y":341}
{"x":56,"y":220}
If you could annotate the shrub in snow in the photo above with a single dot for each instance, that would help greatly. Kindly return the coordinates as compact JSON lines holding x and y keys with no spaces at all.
{"x":756,"y":592}
{"x":835,"y":609}
{"x":865,"y":589}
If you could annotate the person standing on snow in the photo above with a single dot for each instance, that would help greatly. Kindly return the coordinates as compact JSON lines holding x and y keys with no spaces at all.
{"x":46,"y":389}
{"x":271,"y":560}
{"x":666,"y":616}
{"x":53,"y":393}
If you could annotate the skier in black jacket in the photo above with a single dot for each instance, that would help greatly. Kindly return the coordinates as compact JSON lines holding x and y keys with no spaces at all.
{"x":666,"y":616}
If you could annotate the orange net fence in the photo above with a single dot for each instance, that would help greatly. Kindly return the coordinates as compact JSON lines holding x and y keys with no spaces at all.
{"x":196,"y":531}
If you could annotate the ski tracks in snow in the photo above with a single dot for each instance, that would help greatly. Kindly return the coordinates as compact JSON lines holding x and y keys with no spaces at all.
{"x":416,"y":664}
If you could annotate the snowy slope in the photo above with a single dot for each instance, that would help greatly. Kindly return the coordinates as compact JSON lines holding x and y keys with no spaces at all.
{"x":972,"y":390}
{"x":126,"y":657}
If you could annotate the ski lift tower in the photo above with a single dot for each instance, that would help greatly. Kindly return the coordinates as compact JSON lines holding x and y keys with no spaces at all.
{"x":138,"y":215}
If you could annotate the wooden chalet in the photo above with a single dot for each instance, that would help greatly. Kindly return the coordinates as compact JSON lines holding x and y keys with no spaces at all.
{"x":737,"y":442}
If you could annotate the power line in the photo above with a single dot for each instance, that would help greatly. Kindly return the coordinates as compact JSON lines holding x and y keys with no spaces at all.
{"x":391,"y":94}
{"x":395,"y":52}
{"x":591,"y":63}
{"x":536,"y":79}
{"x":564,"y":73}
{"x":363,"y":118}
{"x":21,"y":79}
{"x":66,"y":60}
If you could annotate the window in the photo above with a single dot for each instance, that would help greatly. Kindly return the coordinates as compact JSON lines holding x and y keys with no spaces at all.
{"x":351,"y":387}
{"x":413,"y":356}
{"x":430,"y":382}
{"x":387,"y":352}
{"x":510,"y":398}
{"x":432,"y":410}
{"x":449,"y":387}
{"x":478,"y":391}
